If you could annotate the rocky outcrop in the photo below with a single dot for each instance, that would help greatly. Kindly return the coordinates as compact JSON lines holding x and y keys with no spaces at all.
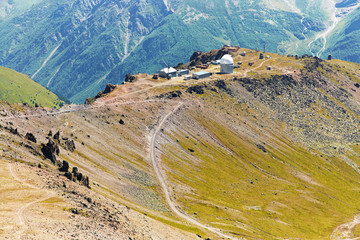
{"x":57,"y":135}
{"x":298,"y":100}
{"x":129,"y":78}
{"x":64,"y":167}
{"x":199,"y":58}
{"x":50,"y":150}
{"x":30,"y":137}
{"x":170,"y":95}
{"x":108,"y":89}
{"x":198,"y":89}
{"x":81,"y":178}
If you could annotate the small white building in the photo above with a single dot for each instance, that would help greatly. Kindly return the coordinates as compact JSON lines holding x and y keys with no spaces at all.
{"x":201,"y":74}
{"x":168,"y":72}
{"x":183,"y":72}
{"x":227,"y":64}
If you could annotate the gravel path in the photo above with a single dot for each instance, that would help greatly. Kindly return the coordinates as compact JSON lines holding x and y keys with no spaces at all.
{"x":164,"y":184}
{"x":21,"y":212}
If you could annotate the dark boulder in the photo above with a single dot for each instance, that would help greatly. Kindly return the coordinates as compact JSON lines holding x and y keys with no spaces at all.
{"x":79,"y":177}
{"x":30,"y":137}
{"x":261,"y":147}
{"x":86,"y":181}
{"x":14,"y":131}
{"x":57,"y":136}
{"x":50,"y":150}
{"x":109,"y":88}
{"x":121,"y":122}
{"x":129,"y":78}
{"x":64,"y":167}
{"x":75,"y":171}
{"x":196,"y":89}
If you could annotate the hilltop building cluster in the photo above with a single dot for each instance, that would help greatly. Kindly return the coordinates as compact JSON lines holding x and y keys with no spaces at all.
{"x":226,"y":67}
{"x":223,"y":58}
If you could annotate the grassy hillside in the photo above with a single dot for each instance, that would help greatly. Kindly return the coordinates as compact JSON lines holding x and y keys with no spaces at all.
{"x":260,"y":154}
{"x":19,"y":88}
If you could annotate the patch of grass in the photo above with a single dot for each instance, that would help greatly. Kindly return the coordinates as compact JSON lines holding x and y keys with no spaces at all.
{"x":223,"y":184}
{"x":19,"y":88}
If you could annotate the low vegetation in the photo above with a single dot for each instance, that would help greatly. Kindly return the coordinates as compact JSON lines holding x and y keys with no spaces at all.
{"x":19,"y":88}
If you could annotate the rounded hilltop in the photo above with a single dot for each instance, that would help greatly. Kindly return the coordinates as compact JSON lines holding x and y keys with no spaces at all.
{"x":20,"y":88}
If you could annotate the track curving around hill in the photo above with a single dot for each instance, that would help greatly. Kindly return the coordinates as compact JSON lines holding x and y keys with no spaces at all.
{"x":164,"y":184}
{"x":77,"y":108}
{"x":252,"y":69}
{"x":21,"y":212}
{"x":344,"y":231}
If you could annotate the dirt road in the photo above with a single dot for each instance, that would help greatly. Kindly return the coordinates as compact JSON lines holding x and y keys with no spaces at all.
{"x":21,"y":212}
{"x":344,"y":231}
{"x":164,"y":185}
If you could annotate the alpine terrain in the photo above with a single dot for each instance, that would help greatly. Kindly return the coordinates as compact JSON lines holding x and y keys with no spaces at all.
{"x":76,"y":47}
{"x":270,"y":151}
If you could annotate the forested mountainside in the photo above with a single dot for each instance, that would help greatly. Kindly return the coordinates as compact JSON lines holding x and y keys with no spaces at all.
{"x":75,"y":47}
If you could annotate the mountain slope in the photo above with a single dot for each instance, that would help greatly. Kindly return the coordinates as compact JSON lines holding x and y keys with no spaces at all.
{"x":87,"y":44}
{"x":75,"y":43}
{"x":76,"y":47}
{"x":19,"y":88}
{"x":343,"y":42}
{"x":255,"y":154}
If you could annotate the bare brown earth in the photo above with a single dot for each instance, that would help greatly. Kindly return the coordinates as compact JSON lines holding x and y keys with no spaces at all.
{"x":255,"y":154}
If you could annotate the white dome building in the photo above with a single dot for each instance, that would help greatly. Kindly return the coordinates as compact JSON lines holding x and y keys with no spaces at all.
{"x":227,"y":64}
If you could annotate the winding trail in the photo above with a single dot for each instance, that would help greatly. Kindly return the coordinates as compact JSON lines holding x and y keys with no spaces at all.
{"x":21,"y":212}
{"x":252,"y":69}
{"x":164,"y":184}
{"x":344,"y":231}
{"x":77,"y":108}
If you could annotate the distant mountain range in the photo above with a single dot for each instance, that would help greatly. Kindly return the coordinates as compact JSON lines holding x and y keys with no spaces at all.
{"x":75,"y":47}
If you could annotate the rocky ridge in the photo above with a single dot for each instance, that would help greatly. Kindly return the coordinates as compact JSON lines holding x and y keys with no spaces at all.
{"x":276,"y":145}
